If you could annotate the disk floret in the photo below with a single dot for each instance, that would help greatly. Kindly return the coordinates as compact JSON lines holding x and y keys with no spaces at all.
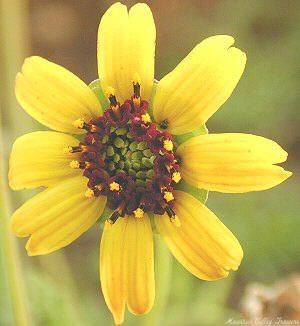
{"x":126,"y":158}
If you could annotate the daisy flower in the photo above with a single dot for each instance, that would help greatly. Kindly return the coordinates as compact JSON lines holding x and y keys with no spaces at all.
{"x":140,"y":151}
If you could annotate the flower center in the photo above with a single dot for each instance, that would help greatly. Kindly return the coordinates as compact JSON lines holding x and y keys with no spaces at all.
{"x":126,"y":158}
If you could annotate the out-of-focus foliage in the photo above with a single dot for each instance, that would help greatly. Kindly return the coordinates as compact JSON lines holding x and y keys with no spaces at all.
{"x":63,"y":288}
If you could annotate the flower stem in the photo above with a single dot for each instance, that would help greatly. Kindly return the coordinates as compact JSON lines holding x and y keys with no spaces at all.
{"x":11,"y":262}
{"x":14,"y":43}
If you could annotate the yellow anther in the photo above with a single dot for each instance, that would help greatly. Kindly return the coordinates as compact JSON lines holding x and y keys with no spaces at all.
{"x":168,"y":196}
{"x":83,"y":148}
{"x":146,"y":118}
{"x":168,"y":145}
{"x":175,"y":220}
{"x":99,"y":187}
{"x":110,"y":93}
{"x":67,"y":150}
{"x":114,"y":186}
{"x":176,"y":177}
{"x":89,"y":193}
{"x":136,"y":102}
{"x":86,"y":165}
{"x":74,"y":164}
{"x":95,"y":128}
{"x":138,"y":213}
{"x":79,"y":123}
{"x":73,"y":149}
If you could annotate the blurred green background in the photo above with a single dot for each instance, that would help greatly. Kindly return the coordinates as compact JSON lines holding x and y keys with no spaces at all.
{"x":63,"y":288}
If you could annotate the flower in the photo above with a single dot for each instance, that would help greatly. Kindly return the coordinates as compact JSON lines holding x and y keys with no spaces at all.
{"x":130,"y":156}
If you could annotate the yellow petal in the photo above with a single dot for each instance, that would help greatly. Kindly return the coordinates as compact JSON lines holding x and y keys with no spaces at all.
{"x":112,"y":269}
{"x":126,"y":266}
{"x":202,"y":244}
{"x":139,"y":266}
{"x":232,"y":162}
{"x":37,"y":159}
{"x":189,"y":95}
{"x":54,"y":96}
{"x":57,"y":216}
{"x":126,"y":46}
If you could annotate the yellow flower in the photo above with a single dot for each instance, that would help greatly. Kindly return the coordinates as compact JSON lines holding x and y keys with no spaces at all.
{"x":132,"y":158}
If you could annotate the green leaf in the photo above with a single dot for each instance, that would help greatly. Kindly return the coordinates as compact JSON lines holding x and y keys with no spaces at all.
{"x":96,"y":88}
{"x":150,"y":111}
{"x":179,"y":139}
{"x":106,"y":214}
{"x":199,"y":194}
